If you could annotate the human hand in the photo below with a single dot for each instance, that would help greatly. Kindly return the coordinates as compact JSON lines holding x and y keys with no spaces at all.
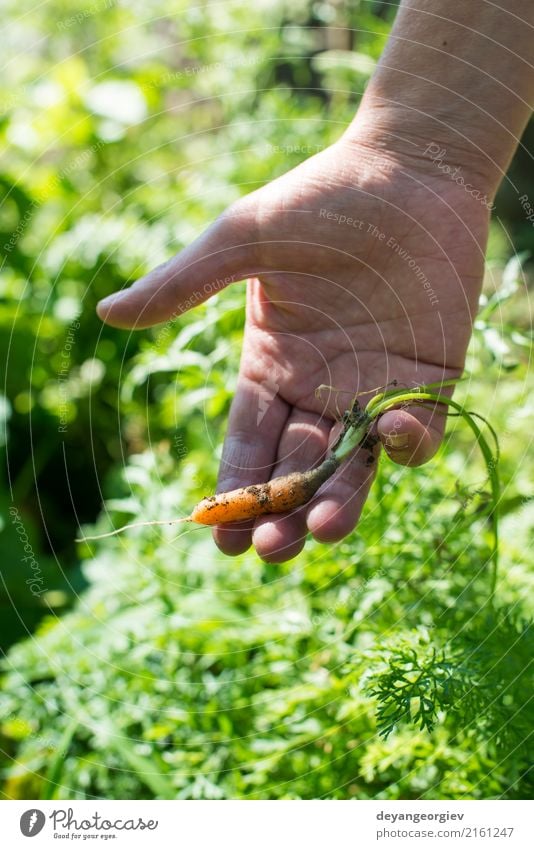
{"x":365,"y":267}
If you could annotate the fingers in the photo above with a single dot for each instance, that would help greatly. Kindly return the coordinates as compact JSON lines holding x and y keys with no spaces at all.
{"x":233,"y":539}
{"x":249,"y":453}
{"x":336,"y":511}
{"x":411,"y":438}
{"x":302,"y":445}
{"x":217,"y":258}
{"x":303,"y":441}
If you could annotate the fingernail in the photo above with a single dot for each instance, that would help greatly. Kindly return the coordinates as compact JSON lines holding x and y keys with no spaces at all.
{"x":397,"y":441}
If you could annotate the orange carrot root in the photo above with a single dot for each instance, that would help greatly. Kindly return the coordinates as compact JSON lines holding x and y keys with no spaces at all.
{"x":276,"y":496}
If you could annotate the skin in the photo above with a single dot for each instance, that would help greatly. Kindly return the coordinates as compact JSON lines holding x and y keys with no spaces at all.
{"x":345,"y":303}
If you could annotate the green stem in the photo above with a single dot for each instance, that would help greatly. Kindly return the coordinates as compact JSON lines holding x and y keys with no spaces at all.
{"x":352,"y":439}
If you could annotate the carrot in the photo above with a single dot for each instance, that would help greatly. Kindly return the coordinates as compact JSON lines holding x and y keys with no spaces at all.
{"x":288,"y":492}
{"x":278,"y":495}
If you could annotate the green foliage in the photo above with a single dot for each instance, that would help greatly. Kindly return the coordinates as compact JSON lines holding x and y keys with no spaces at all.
{"x":480,"y":679}
{"x":381,"y":667}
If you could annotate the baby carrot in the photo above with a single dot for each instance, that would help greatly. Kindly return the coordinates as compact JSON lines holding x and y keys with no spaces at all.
{"x":287,"y":492}
{"x":276,"y":496}
{"x":279,"y":495}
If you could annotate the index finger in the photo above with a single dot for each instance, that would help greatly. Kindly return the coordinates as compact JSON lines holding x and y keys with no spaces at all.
{"x":257,"y":418}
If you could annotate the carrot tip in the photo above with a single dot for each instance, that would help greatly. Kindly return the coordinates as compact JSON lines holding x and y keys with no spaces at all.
{"x":135,"y":525}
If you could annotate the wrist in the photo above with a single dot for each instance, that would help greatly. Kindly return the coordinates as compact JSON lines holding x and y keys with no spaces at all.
{"x":424,"y":143}
{"x":454,"y":82}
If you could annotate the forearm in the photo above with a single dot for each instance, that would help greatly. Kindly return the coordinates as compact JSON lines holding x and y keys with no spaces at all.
{"x":459,"y":74}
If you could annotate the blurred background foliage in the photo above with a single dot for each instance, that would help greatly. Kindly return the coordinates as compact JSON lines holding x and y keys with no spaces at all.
{"x":156,"y":667}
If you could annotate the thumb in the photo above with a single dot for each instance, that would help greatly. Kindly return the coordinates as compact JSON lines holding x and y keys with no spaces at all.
{"x":222,"y":254}
{"x":411,"y":439}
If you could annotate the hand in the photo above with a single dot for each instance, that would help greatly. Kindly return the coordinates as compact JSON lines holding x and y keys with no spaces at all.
{"x":365,"y":268}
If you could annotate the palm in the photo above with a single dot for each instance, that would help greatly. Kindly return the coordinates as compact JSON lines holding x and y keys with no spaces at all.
{"x":350,"y":306}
